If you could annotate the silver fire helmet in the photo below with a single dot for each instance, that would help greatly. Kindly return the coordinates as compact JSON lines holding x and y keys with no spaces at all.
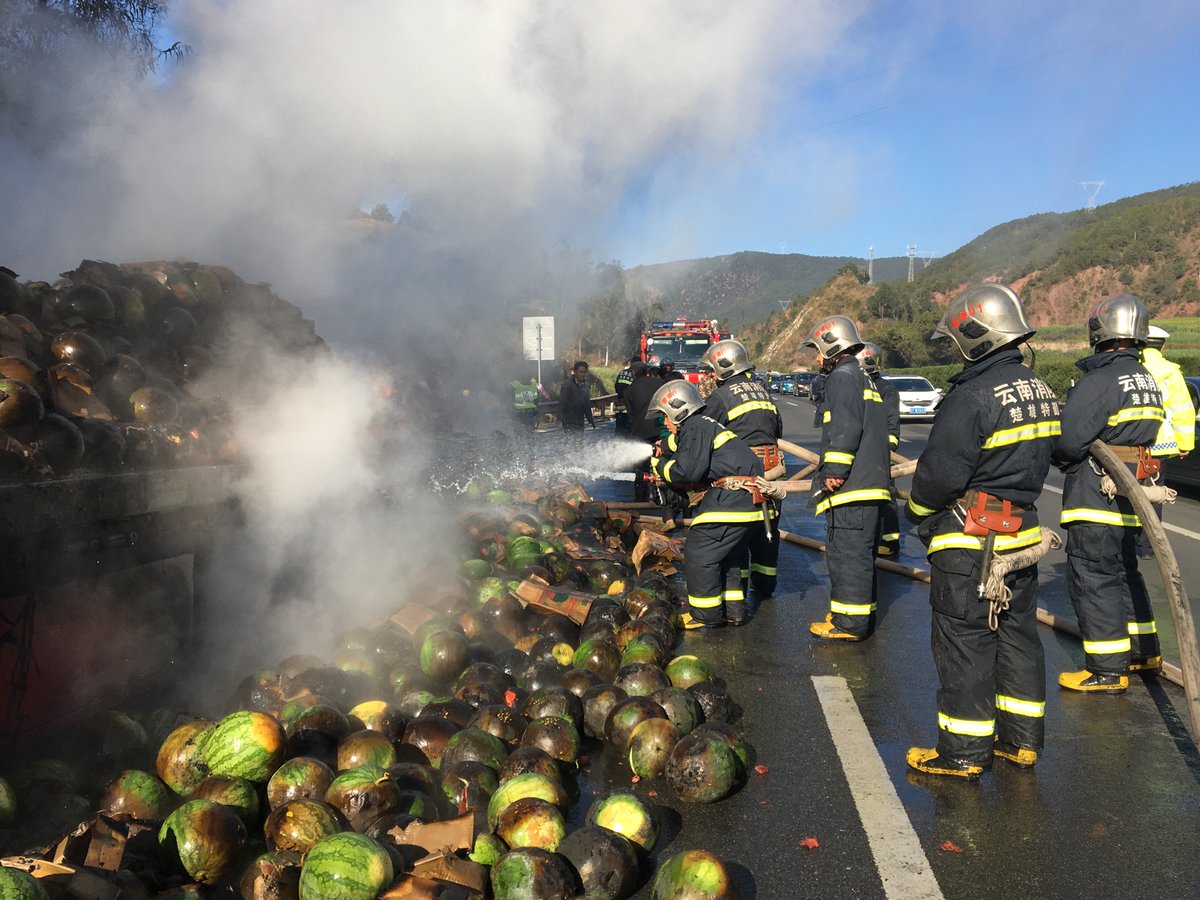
{"x":726,"y":359}
{"x":868,"y":358}
{"x":983,"y":319}
{"x":1122,"y":317}
{"x":676,"y":400}
{"x":834,"y":335}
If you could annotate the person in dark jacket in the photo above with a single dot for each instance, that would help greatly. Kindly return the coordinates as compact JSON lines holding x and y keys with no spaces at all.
{"x":643,"y":427}
{"x":621,"y":423}
{"x":887,"y":542}
{"x":575,"y":401}
{"x":745,"y":407}
{"x":1117,"y":401}
{"x":668,"y":371}
{"x":851,"y":481}
{"x":973,"y":497}
{"x":702,"y":456}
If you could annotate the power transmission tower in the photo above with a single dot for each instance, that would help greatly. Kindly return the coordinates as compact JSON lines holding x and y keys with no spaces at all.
{"x":871,"y":264}
{"x":784,"y":304}
{"x":1091,"y":188}
{"x":926,"y":256}
{"x":912,"y":256}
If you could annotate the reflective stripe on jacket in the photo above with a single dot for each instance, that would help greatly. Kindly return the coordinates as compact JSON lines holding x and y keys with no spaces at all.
{"x":703,"y":451}
{"x":745,"y":407}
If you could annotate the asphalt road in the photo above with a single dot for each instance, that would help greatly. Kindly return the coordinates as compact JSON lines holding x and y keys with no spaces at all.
{"x":1112,"y":808}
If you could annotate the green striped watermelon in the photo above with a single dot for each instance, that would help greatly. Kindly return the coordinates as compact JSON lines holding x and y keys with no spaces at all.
{"x":205,"y":837}
{"x":244,"y":744}
{"x":237,"y":793}
{"x":179,"y":763}
{"x":8,"y":802}
{"x":345,"y":866}
{"x":299,"y":778}
{"x":18,"y":885}
{"x":138,"y":793}
{"x":299,"y":824}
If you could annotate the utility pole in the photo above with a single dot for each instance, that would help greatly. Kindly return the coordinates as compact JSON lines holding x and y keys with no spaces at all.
{"x":871,"y":264}
{"x":912,"y":256}
{"x":1091,"y":188}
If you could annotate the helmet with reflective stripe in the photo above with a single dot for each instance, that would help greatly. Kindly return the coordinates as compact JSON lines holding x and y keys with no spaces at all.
{"x":676,"y":400}
{"x":727,"y":358}
{"x":1156,"y":337}
{"x":1123,"y":317}
{"x":834,"y":335}
{"x":984,"y":318}
{"x":868,"y":358}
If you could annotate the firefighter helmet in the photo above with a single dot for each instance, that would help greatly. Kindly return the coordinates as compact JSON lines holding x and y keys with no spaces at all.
{"x":726,"y":359}
{"x":868,"y":358}
{"x":1156,"y":337}
{"x":834,"y":335}
{"x":1124,"y":317}
{"x":982,"y":319}
{"x":676,"y":400}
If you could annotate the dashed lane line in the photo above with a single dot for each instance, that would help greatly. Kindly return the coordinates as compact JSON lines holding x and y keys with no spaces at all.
{"x":899,"y":858}
{"x":1187,"y":533}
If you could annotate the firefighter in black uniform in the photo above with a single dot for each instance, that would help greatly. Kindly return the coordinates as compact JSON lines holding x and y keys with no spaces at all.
{"x":621,"y":423}
{"x":745,"y":407}
{"x":851,"y":482}
{"x":972,"y":497}
{"x":887,"y":542}
{"x":702,"y":456}
{"x":1118,"y":402}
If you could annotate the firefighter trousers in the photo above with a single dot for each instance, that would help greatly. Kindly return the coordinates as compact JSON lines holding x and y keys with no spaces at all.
{"x":712,"y":554}
{"x":850,"y":557}
{"x":760,"y":564}
{"x":992,"y":683}
{"x":1109,"y":596}
{"x":888,"y":541}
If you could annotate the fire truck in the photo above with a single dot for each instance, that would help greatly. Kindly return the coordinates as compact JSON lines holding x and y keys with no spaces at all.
{"x":682,"y":342}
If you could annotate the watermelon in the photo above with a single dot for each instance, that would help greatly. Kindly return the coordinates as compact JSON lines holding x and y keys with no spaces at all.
{"x":444,"y":654}
{"x":693,"y":875}
{"x":554,"y":734}
{"x":345,"y":866}
{"x":599,"y":656}
{"x":626,"y":716}
{"x":650,"y":746}
{"x":531,"y":822}
{"x":205,"y":837}
{"x":363,"y":793}
{"x":625,"y":813}
{"x":487,"y":850}
{"x":237,"y":793}
{"x":271,"y":876}
{"x":18,"y":885}
{"x":138,"y":793}
{"x":298,"y":824}
{"x":702,"y":768}
{"x":365,"y":747}
{"x":532,"y":874}
{"x":475,"y":569}
{"x":8,"y":803}
{"x":529,"y":784}
{"x":530,"y":759}
{"x":244,"y":744}
{"x":299,"y":778}
{"x":474,"y":745}
{"x":686,"y":670}
{"x":179,"y":762}
{"x":607,"y":863}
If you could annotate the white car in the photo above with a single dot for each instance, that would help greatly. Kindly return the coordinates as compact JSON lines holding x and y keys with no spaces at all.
{"x":918,"y":398}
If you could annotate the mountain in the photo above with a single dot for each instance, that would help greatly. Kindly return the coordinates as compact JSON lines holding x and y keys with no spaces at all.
{"x":742,"y":287}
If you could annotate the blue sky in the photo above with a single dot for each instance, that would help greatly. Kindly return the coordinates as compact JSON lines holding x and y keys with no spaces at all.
{"x":930,"y":125}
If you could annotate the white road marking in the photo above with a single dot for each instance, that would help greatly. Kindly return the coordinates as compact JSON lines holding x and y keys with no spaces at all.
{"x":1194,"y":535}
{"x":899,"y":857}
{"x":791,"y":402}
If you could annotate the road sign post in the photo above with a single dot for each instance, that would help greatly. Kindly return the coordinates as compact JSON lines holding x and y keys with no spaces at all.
{"x":537,"y":334}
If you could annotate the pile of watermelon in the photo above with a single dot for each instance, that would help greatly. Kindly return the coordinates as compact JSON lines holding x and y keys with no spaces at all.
{"x":316,"y":782}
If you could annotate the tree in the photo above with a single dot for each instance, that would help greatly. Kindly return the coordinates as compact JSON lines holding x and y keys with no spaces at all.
{"x":382,"y":213}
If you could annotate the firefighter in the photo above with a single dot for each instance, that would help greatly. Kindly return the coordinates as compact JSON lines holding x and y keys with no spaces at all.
{"x":745,"y":407}
{"x":972,"y":497}
{"x":851,"y":482}
{"x":887,"y":542}
{"x":621,"y":423}
{"x":1118,"y":402}
{"x":702,"y":456}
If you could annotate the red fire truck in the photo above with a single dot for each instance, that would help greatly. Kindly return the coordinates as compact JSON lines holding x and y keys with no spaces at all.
{"x":682,"y":342}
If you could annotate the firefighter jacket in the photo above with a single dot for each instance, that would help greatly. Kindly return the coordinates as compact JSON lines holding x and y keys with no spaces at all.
{"x":994,"y":432}
{"x":891,"y":403}
{"x":575,"y":403}
{"x":1118,"y":402}
{"x":637,"y":400}
{"x":745,"y":407}
{"x":854,"y":443}
{"x":624,"y":380}
{"x":1178,"y":433}
{"x":703,"y":451}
